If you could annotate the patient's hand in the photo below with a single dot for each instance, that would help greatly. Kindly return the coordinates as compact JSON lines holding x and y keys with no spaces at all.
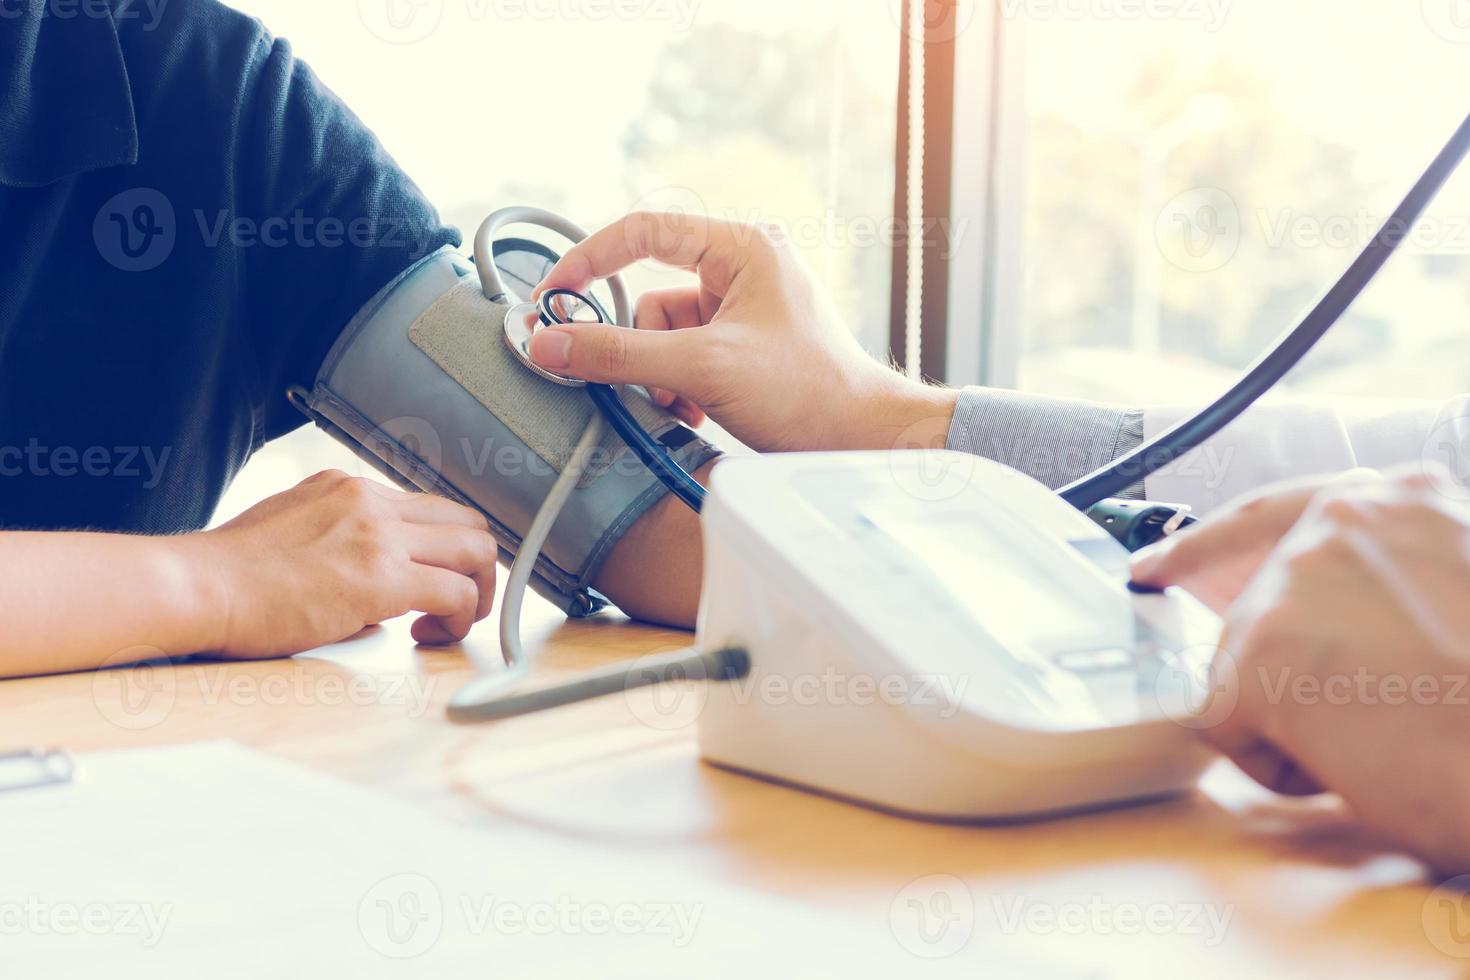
{"x":767,"y":358}
{"x":318,"y":563}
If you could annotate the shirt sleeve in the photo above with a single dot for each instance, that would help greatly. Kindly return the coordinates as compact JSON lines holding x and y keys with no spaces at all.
{"x":332,"y":219}
{"x":1054,"y":440}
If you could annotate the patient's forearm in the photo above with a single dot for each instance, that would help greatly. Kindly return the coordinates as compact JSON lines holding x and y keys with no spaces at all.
{"x":81,"y":601}
{"x":654,"y":572}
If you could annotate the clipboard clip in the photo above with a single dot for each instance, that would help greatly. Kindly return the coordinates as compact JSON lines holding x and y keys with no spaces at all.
{"x":34,"y":768}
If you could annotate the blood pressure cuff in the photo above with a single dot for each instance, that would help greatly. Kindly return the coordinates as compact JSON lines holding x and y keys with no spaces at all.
{"x":422,"y":386}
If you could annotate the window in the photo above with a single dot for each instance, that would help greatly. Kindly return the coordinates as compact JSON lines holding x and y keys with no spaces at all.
{"x":755,"y":110}
{"x":1192,"y":179}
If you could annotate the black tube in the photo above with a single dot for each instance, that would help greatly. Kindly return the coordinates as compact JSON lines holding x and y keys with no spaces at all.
{"x":1267,"y":372}
{"x":652,"y":453}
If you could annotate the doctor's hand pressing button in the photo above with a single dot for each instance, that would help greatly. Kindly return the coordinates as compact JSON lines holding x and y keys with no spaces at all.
{"x":756,"y":343}
{"x":1346,"y":649}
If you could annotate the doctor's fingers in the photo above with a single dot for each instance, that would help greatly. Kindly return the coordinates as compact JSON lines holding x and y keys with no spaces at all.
{"x":1262,"y":761}
{"x":678,"y":360}
{"x":718,"y":250}
{"x":1243,"y":534}
{"x":679,"y":308}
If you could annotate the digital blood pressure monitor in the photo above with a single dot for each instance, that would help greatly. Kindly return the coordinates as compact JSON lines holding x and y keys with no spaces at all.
{"x":936,"y":634}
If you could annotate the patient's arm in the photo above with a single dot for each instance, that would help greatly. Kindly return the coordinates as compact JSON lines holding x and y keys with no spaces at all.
{"x":655,"y":571}
{"x":307,"y":567}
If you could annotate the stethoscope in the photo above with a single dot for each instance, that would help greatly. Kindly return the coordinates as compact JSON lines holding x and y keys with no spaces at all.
{"x":567,"y":306}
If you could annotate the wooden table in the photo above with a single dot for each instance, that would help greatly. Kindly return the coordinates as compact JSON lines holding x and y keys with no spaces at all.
{"x":1229,"y":881}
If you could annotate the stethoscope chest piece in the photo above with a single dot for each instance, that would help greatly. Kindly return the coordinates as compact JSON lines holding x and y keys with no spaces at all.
{"x":556,"y":306}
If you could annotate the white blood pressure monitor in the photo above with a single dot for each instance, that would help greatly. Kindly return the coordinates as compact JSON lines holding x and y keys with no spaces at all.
{"x":936,"y":634}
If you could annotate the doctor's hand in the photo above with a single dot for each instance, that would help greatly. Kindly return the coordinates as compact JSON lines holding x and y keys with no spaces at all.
{"x":320,"y":562}
{"x":755,"y":344}
{"x":1345,"y":664}
{"x":1215,"y":559}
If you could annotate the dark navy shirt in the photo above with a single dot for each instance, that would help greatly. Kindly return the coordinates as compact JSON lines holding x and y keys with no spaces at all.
{"x":188,"y":218}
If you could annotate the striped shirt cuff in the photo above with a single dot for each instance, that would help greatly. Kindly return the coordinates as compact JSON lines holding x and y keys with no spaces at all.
{"x":1054,"y":440}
